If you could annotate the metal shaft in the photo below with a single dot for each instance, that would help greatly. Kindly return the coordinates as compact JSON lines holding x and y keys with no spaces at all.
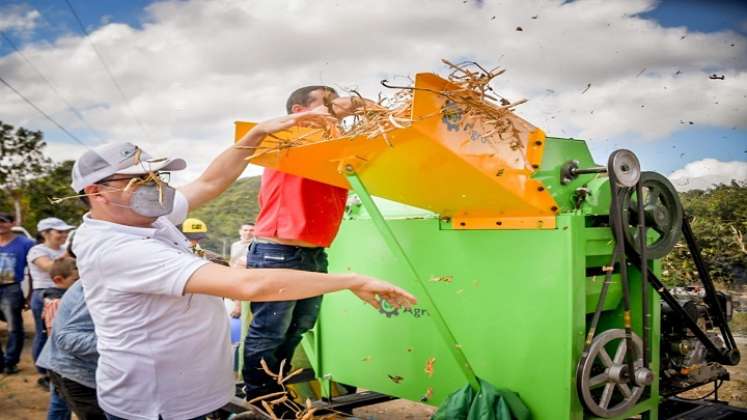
{"x":583,"y":171}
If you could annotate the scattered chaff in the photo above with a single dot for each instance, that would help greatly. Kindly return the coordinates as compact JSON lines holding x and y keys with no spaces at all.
{"x":395,"y":378}
{"x":430,"y":366}
{"x":284,"y":400}
{"x":267,"y":370}
{"x":473,"y":101}
{"x":427,"y":396}
{"x":442,"y":279}
{"x":267,"y":396}
{"x":291,"y":375}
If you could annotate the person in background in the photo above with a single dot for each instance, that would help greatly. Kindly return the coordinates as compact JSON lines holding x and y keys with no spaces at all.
{"x":238,"y":257}
{"x":13,"y":252}
{"x":63,"y":273}
{"x":240,"y":247}
{"x":70,"y":354}
{"x":194,"y":230}
{"x":53,"y":234}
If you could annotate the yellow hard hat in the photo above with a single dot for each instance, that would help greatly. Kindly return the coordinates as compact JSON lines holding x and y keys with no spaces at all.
{"x":194,"y":228}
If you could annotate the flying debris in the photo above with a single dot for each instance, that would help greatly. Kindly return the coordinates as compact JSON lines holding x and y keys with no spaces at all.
{"x":519,"y":29}
{"x":717,"y":77}
{"x":588,"y":86}
{"x":536,"y":16}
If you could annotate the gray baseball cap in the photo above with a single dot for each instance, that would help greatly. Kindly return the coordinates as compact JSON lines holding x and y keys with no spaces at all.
{"x":53,"y":223}
{"x":118,"y":158}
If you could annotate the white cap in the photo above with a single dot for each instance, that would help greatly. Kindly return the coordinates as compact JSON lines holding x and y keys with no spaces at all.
{"x":118,"y":158}
{"x":52,"y":223}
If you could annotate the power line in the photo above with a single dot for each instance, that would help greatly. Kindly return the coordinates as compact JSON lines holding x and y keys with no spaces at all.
{"x":87,"y":36}
{"x":52,"y":120}
{"x":52,"y":86}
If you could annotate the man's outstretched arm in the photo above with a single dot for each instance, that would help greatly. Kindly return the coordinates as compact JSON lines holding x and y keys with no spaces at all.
{"x":226,"y":168}
{"x":262,"y":285}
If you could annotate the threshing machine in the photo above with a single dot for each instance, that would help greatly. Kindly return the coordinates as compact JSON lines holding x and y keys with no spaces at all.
{"x":526,"y":257}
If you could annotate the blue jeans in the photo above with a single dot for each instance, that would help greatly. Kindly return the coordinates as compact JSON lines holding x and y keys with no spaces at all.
{"x":57,"y":408}
{"x":40,"y":334}
{"x":277,"y":327}
{"x":11,"y":304}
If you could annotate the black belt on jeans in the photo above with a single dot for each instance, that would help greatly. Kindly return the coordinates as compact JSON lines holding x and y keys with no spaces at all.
{"x":305,"y":248}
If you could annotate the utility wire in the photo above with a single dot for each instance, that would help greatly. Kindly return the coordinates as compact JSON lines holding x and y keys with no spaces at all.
{"x":39,"y":110}
{"x":87,"y":36}
{"x":52,"y":86}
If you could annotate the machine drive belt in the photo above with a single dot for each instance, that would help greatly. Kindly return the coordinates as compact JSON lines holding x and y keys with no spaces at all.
{"x":710,"y":296}
{"x":616,"y":215}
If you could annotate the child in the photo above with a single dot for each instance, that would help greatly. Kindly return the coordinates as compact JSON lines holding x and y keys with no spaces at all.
{"x":63,"y":273}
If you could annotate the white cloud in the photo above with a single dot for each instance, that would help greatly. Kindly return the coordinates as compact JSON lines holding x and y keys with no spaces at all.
{"x":706,"y":173}
{"x":195,"y":67}
{"x":18,"y":18}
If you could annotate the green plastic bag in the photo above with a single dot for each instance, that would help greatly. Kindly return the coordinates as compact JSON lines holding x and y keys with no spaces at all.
{"x":489,"y":404}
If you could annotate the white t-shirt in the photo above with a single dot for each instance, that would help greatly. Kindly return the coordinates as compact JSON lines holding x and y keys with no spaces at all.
{"x":161,"y":352}
{"x":41,"y":278}
{"x":238,"y":251}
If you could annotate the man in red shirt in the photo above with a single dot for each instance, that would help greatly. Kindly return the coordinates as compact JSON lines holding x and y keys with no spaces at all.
{"x":298,"y":219}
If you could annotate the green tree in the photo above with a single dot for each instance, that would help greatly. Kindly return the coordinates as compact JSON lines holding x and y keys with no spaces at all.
{"x":55,"y":183}
{"x":225,"y":214}
{"x":719,"y":222}
{"x":21,"y":159}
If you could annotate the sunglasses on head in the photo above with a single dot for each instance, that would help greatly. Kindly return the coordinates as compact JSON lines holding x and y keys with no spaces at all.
{"x":6,"y":219}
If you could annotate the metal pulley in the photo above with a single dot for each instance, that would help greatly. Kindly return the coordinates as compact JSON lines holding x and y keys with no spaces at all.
{"x":623,"y":168}
{"x":604,"y":384}
{"x":662,"y":212}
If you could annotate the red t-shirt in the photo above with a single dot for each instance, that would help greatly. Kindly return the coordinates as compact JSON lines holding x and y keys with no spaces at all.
{"x":296,"y":208}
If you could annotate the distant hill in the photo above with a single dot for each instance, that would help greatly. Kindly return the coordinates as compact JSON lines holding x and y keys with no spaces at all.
{"x":226,"y":213}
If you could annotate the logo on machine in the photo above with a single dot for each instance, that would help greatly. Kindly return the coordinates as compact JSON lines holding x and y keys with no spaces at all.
{"x":390,"y":311}
{"x":452,"y":115}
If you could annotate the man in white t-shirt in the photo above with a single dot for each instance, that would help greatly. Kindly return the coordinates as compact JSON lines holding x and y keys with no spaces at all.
{"x":240,"y":247}
{"x":239,"y":251}
{"x":163,"y":335}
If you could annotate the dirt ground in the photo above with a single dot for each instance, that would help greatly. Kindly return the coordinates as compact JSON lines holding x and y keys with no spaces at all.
{"x":22,"y":399}
{"x":20,"y":396}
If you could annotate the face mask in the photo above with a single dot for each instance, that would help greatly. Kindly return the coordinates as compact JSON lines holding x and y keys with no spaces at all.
{"x":153,"y":200}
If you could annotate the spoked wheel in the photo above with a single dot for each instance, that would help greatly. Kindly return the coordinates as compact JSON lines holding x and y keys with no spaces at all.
{"x":602,"y":378}
{"x":662,"y":211}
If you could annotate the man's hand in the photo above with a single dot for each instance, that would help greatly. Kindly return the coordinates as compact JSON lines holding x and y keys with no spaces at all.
{"x":371,"y":288}
{"x":227,"y":167}
{"x":317,"y":117}
{"x":347,"y":105}
{"x":236,"y":311}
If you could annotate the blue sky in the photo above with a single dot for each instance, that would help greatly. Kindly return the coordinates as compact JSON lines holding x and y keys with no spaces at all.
{"x":702,"y":15}
{"x":697,"y":38}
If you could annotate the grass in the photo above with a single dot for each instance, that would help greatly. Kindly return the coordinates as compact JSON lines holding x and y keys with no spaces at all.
{"x":738,"y":323}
